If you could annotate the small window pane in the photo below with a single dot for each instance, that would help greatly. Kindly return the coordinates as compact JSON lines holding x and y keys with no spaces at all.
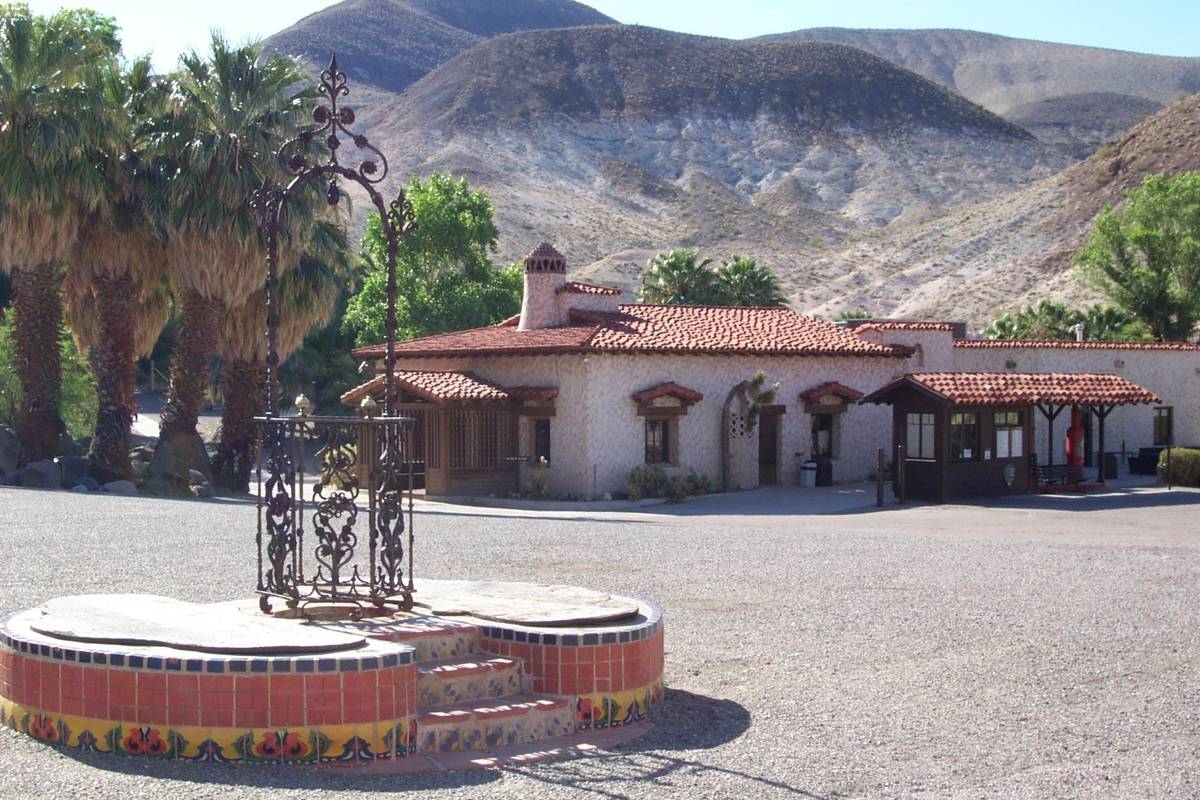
{"x":927,"y":441}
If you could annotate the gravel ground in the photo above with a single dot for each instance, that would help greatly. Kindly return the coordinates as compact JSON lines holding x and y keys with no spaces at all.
{"x":1038,"y":648}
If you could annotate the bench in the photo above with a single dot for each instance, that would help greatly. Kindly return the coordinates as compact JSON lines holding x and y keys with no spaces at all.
{"x":1058,"y":475}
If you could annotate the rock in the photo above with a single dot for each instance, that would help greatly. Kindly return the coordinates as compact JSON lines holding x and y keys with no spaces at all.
{"x":74,"y":469}
{"x":91,"y":483}
{"x":68,"y":446}
{"x":145,"y":454}
{"x":80,"y":489}
{"x":195,"y":476}
{"x":201,"y":490}
{"x":121,"y":487}
{"x":10,"y":453}
{"x":41,"y":475}
{"x":176,"y":457}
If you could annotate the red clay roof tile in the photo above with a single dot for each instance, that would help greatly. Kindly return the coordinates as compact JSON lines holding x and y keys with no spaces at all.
{"x":832,"y":387}
{"x":1021,"y":388}
{"x":710,"y":330}
{"x":574,"y":287}
{"x":432,"y":385}
{"x":1068,"y":344}
{"x":668,"y":390}
{"x":904,"y":325}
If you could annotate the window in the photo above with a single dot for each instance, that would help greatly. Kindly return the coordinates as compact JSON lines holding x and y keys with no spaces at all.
{"x":822,"y":435}
{"x":658,"y":441}
{"x":1164,"y":426}
{"x":1010,"y":434}
{"x":920,"y":437}
{"x":964,"y":437}
{"x":541,"y":440}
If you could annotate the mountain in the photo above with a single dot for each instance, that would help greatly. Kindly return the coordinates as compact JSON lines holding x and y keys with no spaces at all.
{"x":389,"y":44}
{"x":1072,"y":96}
{"x":619,"y":141}
{"x":997,"y":255}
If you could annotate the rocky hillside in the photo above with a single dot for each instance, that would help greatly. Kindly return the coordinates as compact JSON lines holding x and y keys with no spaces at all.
{"x":389,"y":44}
{"x":997,"y":255}
{"x":618,"y":141}
{"x":1076,"y":97}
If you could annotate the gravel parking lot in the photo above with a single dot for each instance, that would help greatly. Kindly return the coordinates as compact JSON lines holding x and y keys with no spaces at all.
{"x":1038,"y":648}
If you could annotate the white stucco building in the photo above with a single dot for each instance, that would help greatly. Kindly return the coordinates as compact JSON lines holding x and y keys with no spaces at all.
{"x":596,"y":387}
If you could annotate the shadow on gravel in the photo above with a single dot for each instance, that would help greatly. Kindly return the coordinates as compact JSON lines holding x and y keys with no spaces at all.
{"x":687,"y":725}
{"x":1101,"y":500}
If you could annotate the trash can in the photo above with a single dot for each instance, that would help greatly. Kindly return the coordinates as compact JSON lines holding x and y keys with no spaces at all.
{"x":1111,"y":466}
{"x":824,"y":471}
{"x":808,"y":474}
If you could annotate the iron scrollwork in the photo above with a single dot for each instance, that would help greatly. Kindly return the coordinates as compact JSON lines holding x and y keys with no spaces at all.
{"x":359,"y":459}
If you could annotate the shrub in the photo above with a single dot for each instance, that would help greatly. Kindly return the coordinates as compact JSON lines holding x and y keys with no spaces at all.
{"x":678,"y":489}
{"x":1185,"y":466}
{"x":78,"y":392}
{"x":646,"y":482}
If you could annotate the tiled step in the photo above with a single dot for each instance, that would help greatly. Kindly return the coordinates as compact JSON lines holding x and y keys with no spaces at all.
{"x":468,"y":680}
{"x":521,"y":719}
{"x":434,"y":638}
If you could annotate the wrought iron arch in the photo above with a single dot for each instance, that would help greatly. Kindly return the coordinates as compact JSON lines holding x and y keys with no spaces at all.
{"x":371,"y":449}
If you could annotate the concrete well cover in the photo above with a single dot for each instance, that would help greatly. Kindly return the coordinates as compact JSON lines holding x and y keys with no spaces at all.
{"x":523,"y":603}
{"x":152,"y":620}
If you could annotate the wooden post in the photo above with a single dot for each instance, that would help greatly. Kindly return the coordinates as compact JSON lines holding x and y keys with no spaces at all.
{"x":901,"y":490}
{"x":1169,"y":486}
{"x":879,"y":478}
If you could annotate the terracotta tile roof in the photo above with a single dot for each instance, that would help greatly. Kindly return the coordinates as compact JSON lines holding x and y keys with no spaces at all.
{"x":575,"y":287}
{"x":668,"y":390}
{"x":904,"y":325}
{"x":1067,"y":344}
{"x":711,"y":330}
{"x":833,"y":387}
{"x":1021,"y":388}
{"x":432,"y":385}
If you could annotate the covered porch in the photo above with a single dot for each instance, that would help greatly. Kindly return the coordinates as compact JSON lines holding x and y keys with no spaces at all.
{"x":466,"y":434}
{"x":960,"y":435}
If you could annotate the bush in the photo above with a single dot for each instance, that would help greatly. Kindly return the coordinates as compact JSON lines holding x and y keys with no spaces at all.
{"x":78,"y":404}
{"x":678,"y":490}
{"x":646,"y":482}
{"x":1185,"y":466}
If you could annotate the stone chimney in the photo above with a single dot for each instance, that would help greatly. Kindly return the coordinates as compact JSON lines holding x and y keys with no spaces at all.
{"x":545,"y":274}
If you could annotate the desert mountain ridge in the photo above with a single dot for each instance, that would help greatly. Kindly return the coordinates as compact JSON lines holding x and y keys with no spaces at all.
{"x":834,"y":162}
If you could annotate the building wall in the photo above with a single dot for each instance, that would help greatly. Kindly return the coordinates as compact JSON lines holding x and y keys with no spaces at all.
{"x":597,"y":435}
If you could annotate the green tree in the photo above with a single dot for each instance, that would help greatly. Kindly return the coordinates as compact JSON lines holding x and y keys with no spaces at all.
{"x":1051,"y":319}
{"x":52,"y":121}
{"x":233,"y":107}
{"x":743,"y":281}
{"x":851,"y":314}
{"x":679,"y":277}
{"x":444,"y":275}
{"x":1146,"y":257}
{"x":119,"y":259}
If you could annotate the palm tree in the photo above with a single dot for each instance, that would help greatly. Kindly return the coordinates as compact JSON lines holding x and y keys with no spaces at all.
{"x":1110,"y":323}
{"x":50,"y":121}
{"x":120,"y":260}
{"x":679,"y":277}
{"x":307,"y":296}
{"x":743,"y":281}
{"x":233,"y":109}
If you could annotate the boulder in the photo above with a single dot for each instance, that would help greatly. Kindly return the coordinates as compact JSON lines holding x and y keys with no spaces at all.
{"x":79,"y":488}
{"x":201,"y":490}
{"x":74,"y":469}
{"x":176,"y":457}
{"x":121,"y":487}
{"x":68,"y":446}
{"x":10,"y":453}
{"x":91,"y":483}
{"x":41,"y":475}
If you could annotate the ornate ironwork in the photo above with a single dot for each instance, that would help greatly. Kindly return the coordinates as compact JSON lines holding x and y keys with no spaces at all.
{"x":362,"y":467}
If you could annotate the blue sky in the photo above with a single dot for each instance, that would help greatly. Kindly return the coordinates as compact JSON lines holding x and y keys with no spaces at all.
{"x":1166,"y":27}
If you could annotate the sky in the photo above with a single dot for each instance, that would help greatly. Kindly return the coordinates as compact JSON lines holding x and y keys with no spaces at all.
{"x":1165,"y":27}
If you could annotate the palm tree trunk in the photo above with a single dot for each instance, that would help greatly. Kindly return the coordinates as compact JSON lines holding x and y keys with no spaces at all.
{"x":37,"y":314}
{"x":195,"y":345}
{"x":113,"y":366}
{"x":243,"y":386}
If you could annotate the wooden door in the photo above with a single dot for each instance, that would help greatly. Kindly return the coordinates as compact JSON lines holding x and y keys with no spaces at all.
{"x":768,"y":450}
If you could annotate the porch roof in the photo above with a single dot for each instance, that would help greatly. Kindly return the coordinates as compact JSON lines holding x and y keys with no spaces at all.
{"x":435,"y":386}
{"x":1019,"y":388}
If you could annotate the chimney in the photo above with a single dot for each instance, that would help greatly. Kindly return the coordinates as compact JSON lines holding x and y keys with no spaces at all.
{"x":545,"y":274}
{"x":1080,"y":329}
